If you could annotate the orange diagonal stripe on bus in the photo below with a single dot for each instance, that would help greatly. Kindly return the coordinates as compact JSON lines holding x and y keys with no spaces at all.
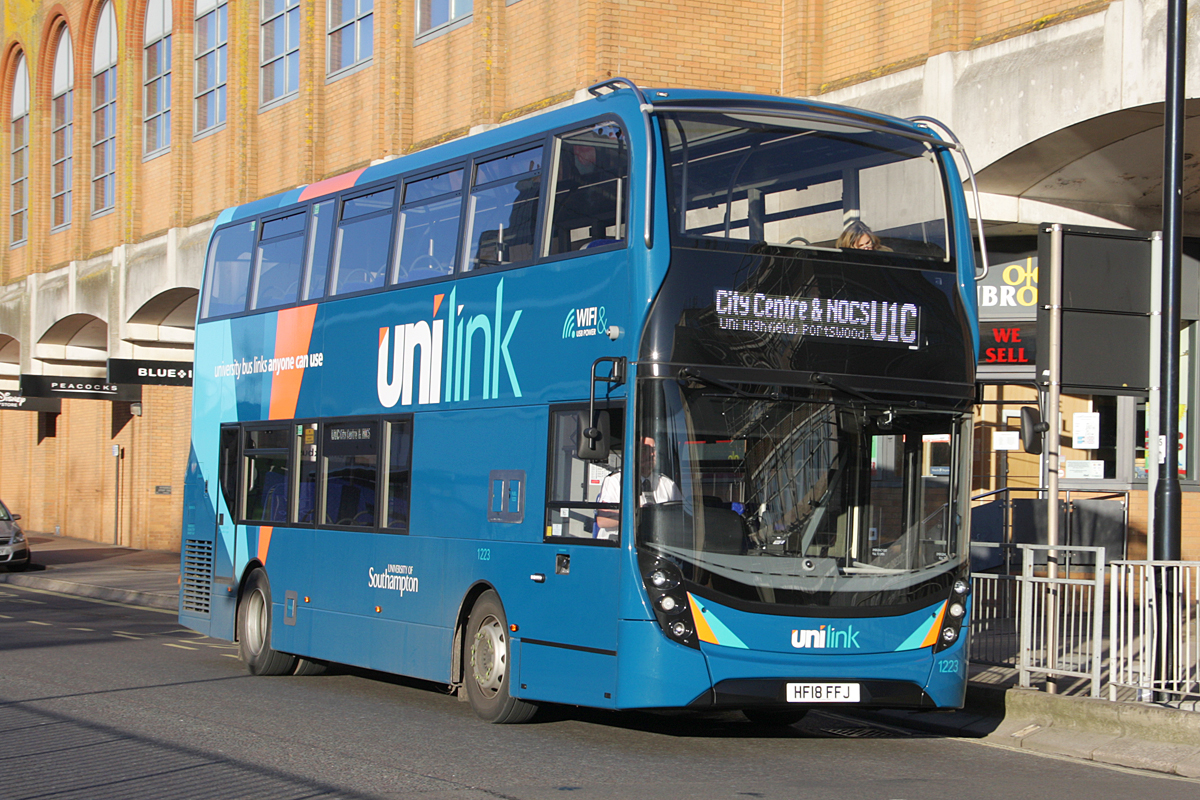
{"x":264,"y":543}
{"x":932,"y":636}
{"x":293,"y":332}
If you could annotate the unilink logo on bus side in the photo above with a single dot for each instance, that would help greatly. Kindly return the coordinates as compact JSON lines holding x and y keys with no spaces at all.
{"x":436,"y":361}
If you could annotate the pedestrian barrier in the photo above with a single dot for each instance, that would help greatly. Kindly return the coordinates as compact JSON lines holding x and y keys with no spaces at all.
{"x":1062,"y":615}
{"x":1154,"y":630}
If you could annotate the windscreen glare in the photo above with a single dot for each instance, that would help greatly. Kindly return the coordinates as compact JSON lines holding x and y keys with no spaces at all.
{"x":805,"y":184}
{"x":795,"y":502}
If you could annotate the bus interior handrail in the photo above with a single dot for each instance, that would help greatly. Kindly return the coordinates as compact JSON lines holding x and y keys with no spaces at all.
{"x":647,"y":109}
{"x":962,"y":151}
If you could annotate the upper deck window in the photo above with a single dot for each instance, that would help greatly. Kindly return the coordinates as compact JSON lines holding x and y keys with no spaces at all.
{"x":590,"y":176}
{"x":503,"y":210}
{"x":363,"y":240}
{"x":279,"y":262}
{"x":428,"y":227}
{"x":228,"y":270}
{"x":795,"y":182}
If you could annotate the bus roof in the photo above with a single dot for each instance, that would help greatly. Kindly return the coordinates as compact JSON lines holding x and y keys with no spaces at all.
{"x":619,"y":101}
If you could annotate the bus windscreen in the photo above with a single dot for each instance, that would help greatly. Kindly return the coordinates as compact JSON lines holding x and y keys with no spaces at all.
{"x":804,"y":184}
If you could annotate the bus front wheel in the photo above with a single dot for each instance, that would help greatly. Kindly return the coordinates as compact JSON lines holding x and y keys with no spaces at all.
{"x":488,"y":657}
{"x":254,"y":629}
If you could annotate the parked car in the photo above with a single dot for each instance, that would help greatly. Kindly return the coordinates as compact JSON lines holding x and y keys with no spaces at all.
{"x":14,"y":550}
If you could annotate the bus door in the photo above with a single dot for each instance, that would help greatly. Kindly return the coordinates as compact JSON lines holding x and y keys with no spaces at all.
{"x":569,"y":636}
{"x":225,"y":569}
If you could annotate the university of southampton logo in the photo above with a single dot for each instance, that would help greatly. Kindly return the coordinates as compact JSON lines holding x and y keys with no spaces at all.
{"x":582,"y":322}
{"x":437,"y":362}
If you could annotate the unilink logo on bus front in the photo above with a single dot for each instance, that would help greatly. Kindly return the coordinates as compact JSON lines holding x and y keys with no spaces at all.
{"x":425,"y":357}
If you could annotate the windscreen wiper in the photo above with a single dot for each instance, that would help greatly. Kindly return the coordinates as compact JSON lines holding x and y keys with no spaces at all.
{"x":825,"y":380}
{"x":693,"y":374}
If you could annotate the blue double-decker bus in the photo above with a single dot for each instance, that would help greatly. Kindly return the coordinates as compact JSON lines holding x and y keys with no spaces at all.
{"x":658,"y":400}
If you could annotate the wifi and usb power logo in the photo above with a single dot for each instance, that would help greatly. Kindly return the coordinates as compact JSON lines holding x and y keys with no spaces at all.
{"x":581,"y":322}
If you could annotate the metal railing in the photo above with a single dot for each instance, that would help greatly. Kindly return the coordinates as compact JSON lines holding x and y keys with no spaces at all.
{"x":995,"y":617}
{"x":1154,"y":629}
{"x":1062,"y":616}
{"x":1042,"y":621}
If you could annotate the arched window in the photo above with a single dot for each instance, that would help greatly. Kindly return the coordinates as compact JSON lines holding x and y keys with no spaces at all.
{"x":19,"y":193}
{"x":104,"y":112}
{"x":212,"y":36}
{"x":157,"y":77}
{"x":62,"y":113}
{"x":280,"y":71}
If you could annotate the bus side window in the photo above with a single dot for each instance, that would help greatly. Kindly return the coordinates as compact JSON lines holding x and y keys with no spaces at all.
{"x":304,"y":449}
{"x":398,"y":473}
{"x":323,"y":217}
{"x":266,"y":468}
{"x":228,"y":470}
{"x":573,"y":484}
{"x":349,"y":473}
{"x":589,"y":201}
{"x":228,"y":270}
{"x":503,"y":210}
{"x":428,"y":227}
{"x":279,"y":261}
{"x":364,"y":240}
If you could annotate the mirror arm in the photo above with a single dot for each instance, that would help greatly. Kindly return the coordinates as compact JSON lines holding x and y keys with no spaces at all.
{"x":615,"y":377}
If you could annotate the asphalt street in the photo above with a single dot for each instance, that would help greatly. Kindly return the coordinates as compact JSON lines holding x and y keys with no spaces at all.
{"x":103,"y":700}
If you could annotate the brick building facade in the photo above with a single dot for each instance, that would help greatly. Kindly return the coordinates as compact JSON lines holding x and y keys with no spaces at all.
{"x":141,"y":119}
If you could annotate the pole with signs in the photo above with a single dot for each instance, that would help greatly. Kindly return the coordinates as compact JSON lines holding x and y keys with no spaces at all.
{"x":116,"y":451}
{"x":1053,"y":439}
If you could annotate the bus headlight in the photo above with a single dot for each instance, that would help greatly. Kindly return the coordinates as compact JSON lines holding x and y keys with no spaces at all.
{"x":663,"y":582}
{"x":957,"y":610}
{"x":949,"y":635}
{"x":961,"y":587}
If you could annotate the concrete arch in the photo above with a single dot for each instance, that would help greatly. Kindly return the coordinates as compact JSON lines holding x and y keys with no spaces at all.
{"x":163,"y":328}
{"x":10,"y":362}
{"x":1108,"y":166}
{"x":74,"y":345}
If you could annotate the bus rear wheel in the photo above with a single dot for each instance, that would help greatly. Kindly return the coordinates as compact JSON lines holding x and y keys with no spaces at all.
{"x":781,"y":717}
{"x":254,"y":629}
{"x":487,"y":665}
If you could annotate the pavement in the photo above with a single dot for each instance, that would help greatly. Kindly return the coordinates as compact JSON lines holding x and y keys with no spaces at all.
{"x":1144,"y":736}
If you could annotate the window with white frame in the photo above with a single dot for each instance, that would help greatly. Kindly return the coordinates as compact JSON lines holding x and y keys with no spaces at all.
{"x":156,"y":78}
{"x":104,"y":112}
{"x":351,"y":33}
{"x":19,"y":179}
{"x":62,"y":131}
{"x":280,"y":55}
{"x":435,"y":13}
{"x":211,"y":43}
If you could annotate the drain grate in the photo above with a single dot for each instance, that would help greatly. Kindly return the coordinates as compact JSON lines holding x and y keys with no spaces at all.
{"x":859,"y":733}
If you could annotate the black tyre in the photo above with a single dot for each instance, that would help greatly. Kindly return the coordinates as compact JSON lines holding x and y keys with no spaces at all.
{"x":254,"y":629}
{"x":487,"y":661}
{"x":306,"y":666}
{"x":781,"y":717}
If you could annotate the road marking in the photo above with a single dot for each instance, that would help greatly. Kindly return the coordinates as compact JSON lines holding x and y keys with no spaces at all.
{"x":35,"y":622}
{"x":89,"y":630}
{"x":127,"y":636}
{"x":229,"y":655}
{"x":180,"y":646}
{"x":5,"y":616}
{"x":98,"y":601}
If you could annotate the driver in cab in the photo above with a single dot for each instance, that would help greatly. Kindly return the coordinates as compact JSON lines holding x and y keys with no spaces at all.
{"x":655,"y":488}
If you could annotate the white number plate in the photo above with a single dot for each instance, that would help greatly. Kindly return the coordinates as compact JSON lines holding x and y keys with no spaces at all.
{"x":823,"y":693}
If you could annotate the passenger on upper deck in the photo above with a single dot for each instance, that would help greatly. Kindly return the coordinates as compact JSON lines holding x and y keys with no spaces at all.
{"x":857,"y":236}
{"x":655,"y":488}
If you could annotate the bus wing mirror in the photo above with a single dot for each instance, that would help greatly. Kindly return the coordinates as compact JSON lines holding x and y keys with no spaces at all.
{"x":595,"y":440}
{"x":1032,"y":429}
